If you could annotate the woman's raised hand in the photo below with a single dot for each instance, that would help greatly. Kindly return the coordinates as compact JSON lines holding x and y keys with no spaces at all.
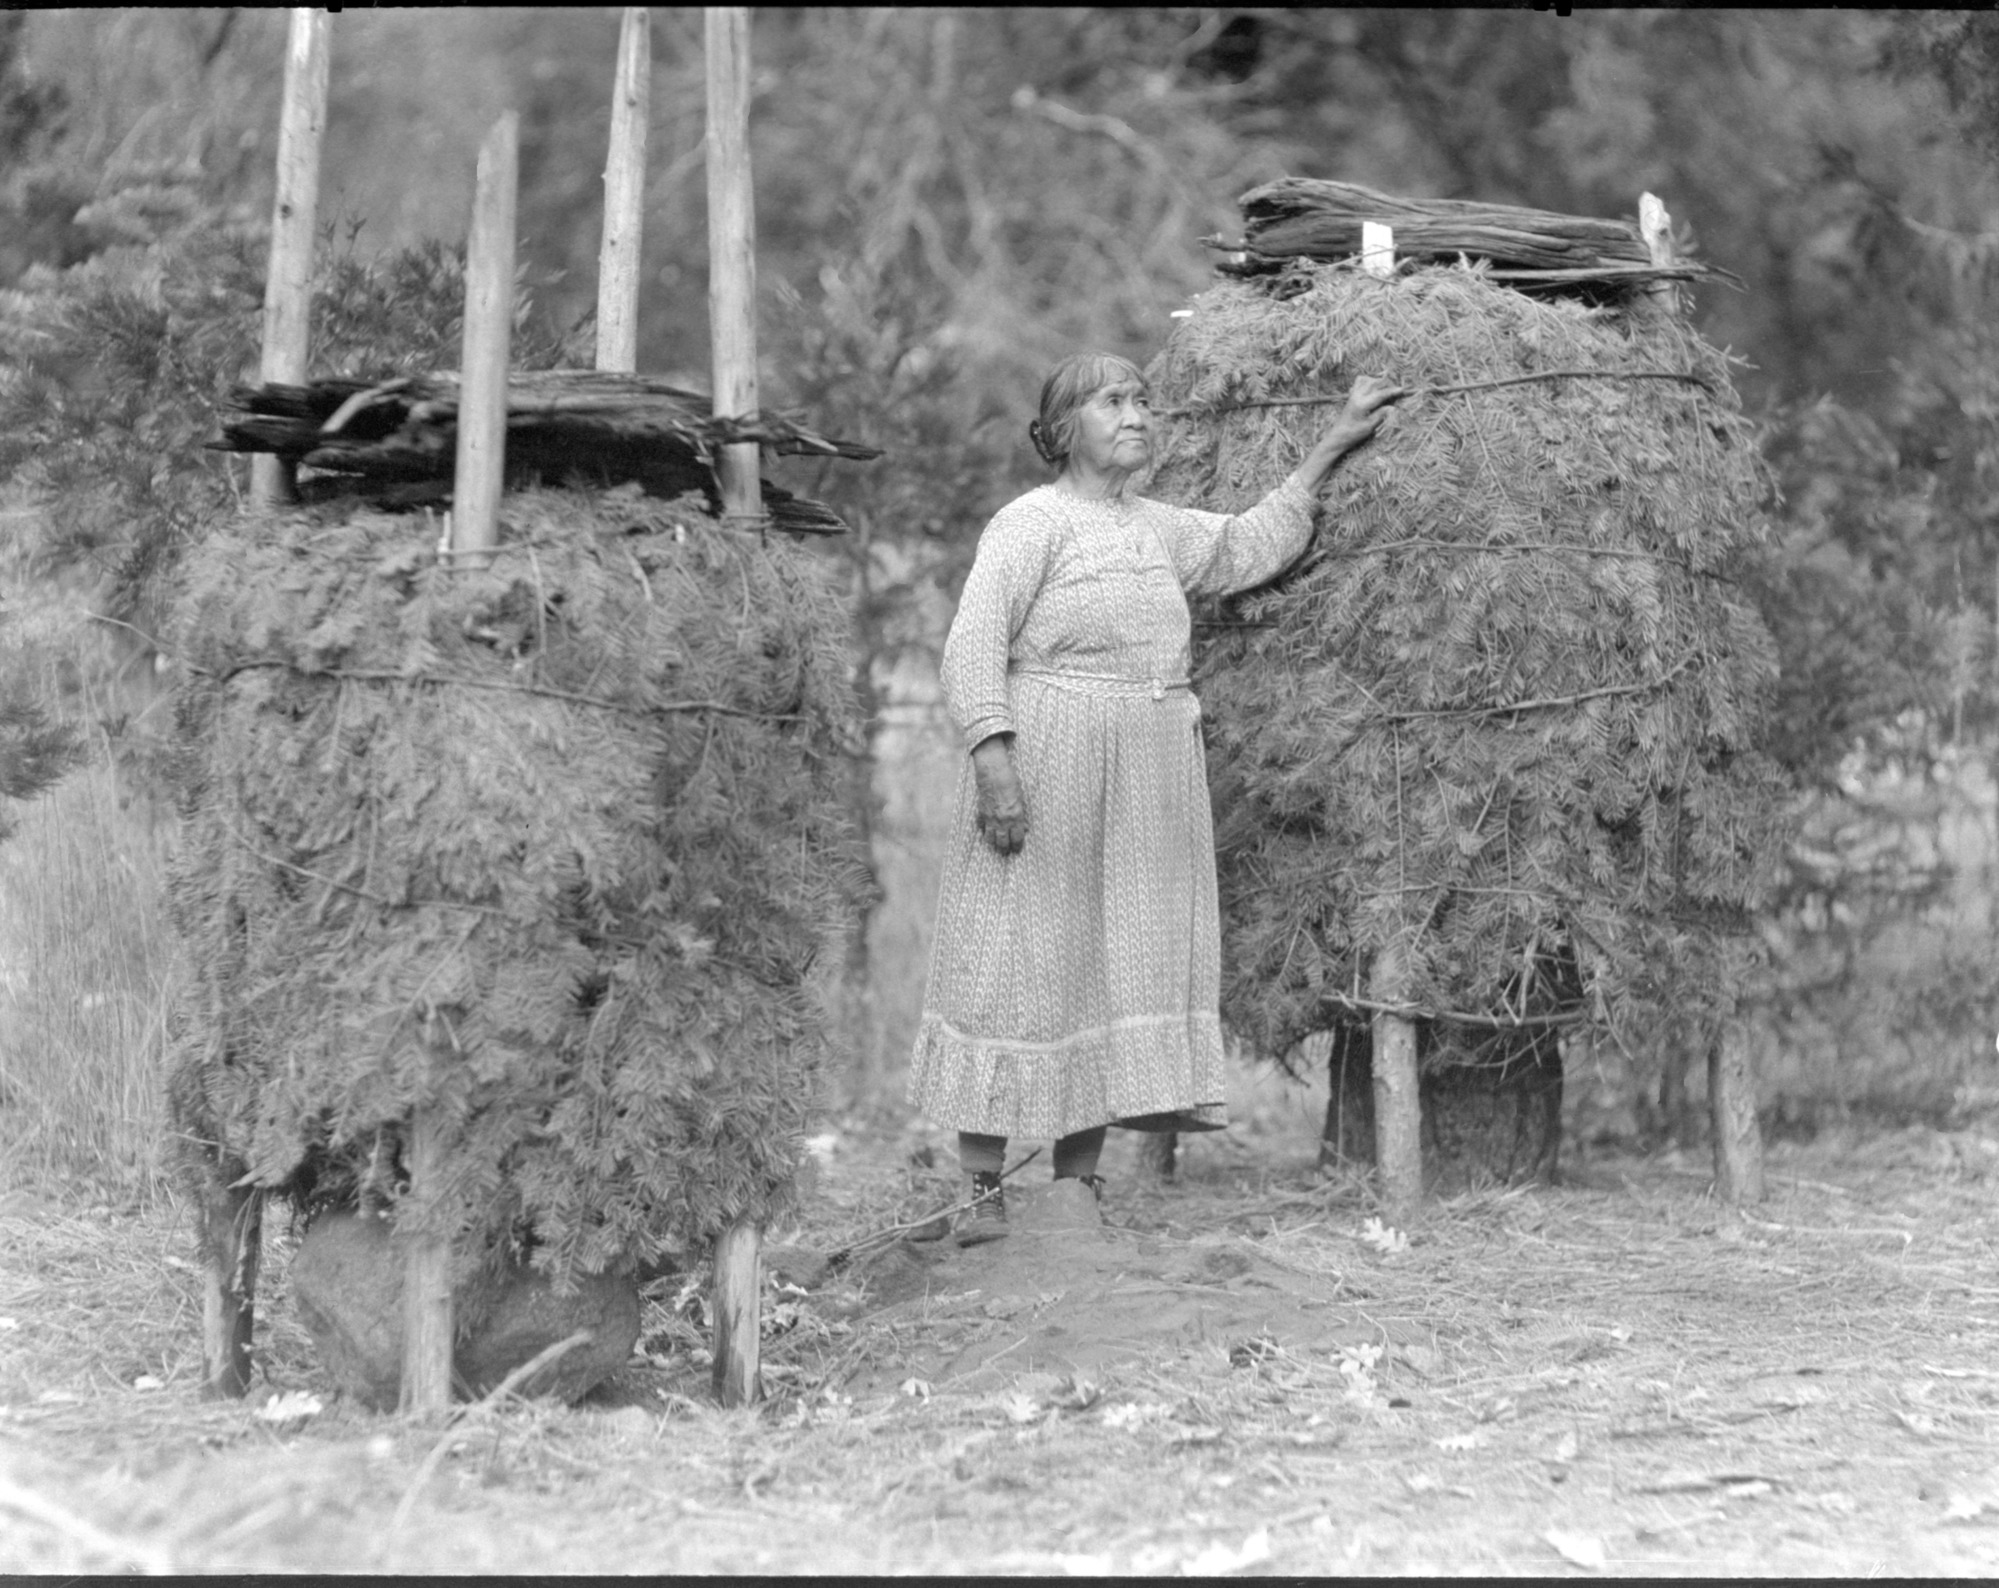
{"x":1367,"y":405}
{"x":1002,"y":813}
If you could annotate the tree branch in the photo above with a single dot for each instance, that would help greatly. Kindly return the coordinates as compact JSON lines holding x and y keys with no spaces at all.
{"x":1458,"y":1017}
{"x":1451,"y":391}
{"x":390,"y":676}
{"x":1539,"y":704}
{"x":1119,"y":131}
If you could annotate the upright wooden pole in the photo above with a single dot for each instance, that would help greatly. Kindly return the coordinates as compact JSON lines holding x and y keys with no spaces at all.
{"x":738,"y":1315}
{"x":232,"y":1216}
{"x":294,"y":215}
{"x":1738,"y":1138}
{"x":1656,"y":227}
{"x":732,"y":319}
{"x":1398,"y":1108}
{"x":1731,"y":1078}
{"x":624,"y":198}
{"x":428,"y":1321}
{"x":1661,"y":301}
{"x":232,"y":1238}
{"x":732,"y":264}
{"x":489,"y":318}
{"x":428,"y":1314}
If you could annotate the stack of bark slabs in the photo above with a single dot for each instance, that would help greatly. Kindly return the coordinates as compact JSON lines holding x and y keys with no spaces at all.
{"x":1303,"y":218}
{"x":395,"y":442}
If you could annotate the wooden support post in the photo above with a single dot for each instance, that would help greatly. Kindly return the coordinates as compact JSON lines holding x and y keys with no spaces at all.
{"x":624,"y":198}
{"x":1731,"y":1079}
{"x":732,"y":320}
{"x":1731,"y":1093}
{"x":732,"y":264}
{"x":428,"y":1321}
{"x":294,"y":215}
{"x":1656,"y":227}
{"x":1398,"y":1116}
{"x":489,"y":319}
{"x":232,"y":1238}
{"x":737,"y":1300}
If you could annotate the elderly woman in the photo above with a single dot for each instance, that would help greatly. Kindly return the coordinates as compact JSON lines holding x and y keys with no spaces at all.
{"x":1076,"y":974}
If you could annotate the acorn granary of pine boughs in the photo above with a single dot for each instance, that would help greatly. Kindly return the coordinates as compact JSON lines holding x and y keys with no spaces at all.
{"x":1505,"y":711}
{"x":553,"y":849}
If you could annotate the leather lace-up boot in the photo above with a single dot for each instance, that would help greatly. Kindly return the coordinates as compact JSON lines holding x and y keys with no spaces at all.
{"x":986,"y":1220}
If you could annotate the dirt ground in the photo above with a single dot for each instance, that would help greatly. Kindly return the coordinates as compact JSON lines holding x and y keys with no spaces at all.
{"x":1245,"y":1372}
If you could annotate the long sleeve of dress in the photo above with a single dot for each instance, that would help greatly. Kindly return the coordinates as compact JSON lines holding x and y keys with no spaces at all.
{"x":1215,"y":554}
{"x":1007,"y":573}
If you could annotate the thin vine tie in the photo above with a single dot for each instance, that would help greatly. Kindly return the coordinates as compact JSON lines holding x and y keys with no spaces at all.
{"x":1451,"y":391}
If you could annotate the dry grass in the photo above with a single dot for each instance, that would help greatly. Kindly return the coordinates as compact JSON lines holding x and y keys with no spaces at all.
{"x":1615,"y":1369}
{"x":87,"y":965}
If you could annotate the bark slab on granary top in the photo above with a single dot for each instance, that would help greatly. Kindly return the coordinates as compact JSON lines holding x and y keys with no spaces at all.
{"x":1535,"y":250}
{"x":554,"y":850}
{"x":1507,"y":707}
{"x":395,"y":441}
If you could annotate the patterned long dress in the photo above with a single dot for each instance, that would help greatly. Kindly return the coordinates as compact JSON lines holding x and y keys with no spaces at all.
{"x":1076,"y":983}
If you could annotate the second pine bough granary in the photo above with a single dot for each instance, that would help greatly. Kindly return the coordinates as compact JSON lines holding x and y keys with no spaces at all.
{"x":1485,"y":763}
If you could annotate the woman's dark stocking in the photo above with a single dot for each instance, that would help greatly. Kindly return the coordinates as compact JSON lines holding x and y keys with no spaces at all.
{"x":1076,"y":1154}
{"x":981,"y":1154}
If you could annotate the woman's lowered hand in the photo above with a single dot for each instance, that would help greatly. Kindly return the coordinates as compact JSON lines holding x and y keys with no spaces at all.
{"x":1002,"y":814}
{"x":1367,"y":405}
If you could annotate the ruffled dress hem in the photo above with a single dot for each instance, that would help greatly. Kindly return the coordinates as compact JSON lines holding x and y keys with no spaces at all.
{"x":1152,"y":1072}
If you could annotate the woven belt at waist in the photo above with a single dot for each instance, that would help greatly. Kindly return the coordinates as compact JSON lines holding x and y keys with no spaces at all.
{"x":1113,"y":686}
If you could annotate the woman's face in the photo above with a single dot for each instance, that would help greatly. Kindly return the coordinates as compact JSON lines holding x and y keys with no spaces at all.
{"x":1114,"y":429}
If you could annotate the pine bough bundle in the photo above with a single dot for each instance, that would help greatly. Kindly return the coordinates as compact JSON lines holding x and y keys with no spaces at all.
{"x":554,"y":849}
{"x":397,"y":440}
{"x":1506,"y":710}
{"x":1302,"y":218}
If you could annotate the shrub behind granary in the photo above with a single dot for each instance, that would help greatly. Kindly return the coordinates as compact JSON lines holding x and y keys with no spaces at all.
{"x":1505,"y":711}
{"x":554,"y":848}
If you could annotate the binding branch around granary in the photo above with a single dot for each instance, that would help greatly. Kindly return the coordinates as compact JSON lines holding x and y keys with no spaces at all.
{"x":1485,"y":763}
{"x":516,"y":848}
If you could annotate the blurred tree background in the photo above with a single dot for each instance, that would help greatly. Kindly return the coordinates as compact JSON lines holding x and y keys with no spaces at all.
{"x":948,"y":199}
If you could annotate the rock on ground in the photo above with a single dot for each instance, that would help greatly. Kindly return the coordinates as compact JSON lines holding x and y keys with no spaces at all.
{"x":348,"y":1278}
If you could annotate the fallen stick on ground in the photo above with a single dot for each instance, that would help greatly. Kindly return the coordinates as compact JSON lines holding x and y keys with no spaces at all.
{"x":846,"y":1254}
